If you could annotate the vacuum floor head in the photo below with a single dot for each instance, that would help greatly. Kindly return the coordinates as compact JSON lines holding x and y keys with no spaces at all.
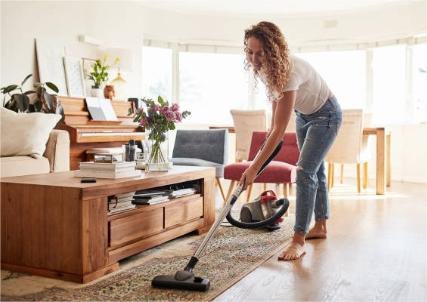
{"x":182,"y":280}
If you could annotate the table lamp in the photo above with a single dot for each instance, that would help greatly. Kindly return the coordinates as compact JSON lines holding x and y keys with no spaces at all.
{"x":120,"y":85}
{"x":123,"y":60}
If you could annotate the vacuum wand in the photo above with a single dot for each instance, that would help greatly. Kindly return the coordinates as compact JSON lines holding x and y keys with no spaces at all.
{"x":225,"y":210}
{"x":185,"y":279}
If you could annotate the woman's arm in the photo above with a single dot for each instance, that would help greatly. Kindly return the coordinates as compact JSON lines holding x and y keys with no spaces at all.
{"x":282,"y":113}
{"x":273,"y":110}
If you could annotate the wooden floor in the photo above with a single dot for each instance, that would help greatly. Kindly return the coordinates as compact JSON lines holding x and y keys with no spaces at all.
{"x":376,"y":250}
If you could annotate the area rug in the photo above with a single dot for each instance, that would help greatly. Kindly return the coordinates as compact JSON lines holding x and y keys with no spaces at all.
{"x":231,"y":254}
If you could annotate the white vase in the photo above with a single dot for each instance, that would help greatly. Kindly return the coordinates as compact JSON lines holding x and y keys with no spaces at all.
{"x":97,"y":92}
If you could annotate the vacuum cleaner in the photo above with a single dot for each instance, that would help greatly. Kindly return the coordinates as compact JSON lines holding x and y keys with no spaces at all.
{"x":185,"y":279}
{"x":259,"y":213}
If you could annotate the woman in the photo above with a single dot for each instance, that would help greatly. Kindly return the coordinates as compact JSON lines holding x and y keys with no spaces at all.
{"x":293,"y":84}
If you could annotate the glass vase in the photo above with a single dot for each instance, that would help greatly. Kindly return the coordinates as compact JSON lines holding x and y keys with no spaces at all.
{"x":158,"y":155}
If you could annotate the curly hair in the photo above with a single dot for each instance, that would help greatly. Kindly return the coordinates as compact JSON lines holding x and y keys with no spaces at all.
{"x":277,"y":61}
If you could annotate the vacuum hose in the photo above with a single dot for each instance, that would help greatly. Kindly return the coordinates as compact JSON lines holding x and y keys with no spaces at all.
{"x":253,"y":225}
{"x":272,"y":219}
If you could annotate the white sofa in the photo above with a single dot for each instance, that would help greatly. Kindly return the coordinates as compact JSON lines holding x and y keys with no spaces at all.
{"x":56,"y":158}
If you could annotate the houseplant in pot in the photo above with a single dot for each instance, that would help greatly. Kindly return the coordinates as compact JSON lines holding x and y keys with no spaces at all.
{"x":38,"y":100}
{"x":99,"y":76}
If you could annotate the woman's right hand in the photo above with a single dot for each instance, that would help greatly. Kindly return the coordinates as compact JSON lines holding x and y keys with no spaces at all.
{"x":248,"y":177}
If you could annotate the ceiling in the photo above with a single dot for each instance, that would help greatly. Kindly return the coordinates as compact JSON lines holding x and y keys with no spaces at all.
{"x":268,"y":7}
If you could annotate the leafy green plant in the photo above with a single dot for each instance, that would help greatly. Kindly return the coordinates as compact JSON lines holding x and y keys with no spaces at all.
{"x":99,"y":73}
{"x":37,"y":100}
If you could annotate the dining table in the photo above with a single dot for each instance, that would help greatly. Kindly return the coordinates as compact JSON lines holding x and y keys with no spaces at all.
{"x":382,"y":160}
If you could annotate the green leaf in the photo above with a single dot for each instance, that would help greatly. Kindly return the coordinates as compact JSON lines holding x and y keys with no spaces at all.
{"x":48,"y":98}
{"x":52,"y":86}
{"x":22,"y":102}
{"x":9,"y":88}
{"x":26,"y":78}
{"x":37,"y":106}
{"x":160,"y":100}
{"x":11,"y":104}
{"x":137,"y":117}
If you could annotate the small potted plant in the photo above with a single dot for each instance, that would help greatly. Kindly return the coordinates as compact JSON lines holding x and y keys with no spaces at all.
{"x":99,"y":76}
{"x":37,"y":100}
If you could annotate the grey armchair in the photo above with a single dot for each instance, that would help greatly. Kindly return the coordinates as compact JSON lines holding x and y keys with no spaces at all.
{"x":204,"y":148}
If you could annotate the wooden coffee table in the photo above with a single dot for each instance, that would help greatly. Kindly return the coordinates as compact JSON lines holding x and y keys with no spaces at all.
{"x":53,"y":225}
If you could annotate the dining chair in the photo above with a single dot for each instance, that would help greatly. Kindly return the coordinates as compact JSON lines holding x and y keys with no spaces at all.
{"x":367,"y":142}
{"x":245,"y":123}
{"x":204,"y":148}
{"x":350,"y":147}
{"x":281,"y":170}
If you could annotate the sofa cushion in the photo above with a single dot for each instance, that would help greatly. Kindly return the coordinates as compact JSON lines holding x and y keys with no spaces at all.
{"x":25,"y":133}
{"x":23,"y":165}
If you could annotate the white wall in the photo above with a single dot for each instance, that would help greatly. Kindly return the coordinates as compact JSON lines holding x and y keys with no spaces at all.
{"x":61,"y":23}
{"x":388,"y":22}
{"x":409,"y":153}
{"x":125,"y":24}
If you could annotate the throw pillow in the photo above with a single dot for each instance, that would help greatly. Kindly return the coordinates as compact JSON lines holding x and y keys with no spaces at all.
{"x":25,"y":133}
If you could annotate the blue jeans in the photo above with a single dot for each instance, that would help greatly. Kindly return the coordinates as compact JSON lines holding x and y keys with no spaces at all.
{"x":315,"y":134}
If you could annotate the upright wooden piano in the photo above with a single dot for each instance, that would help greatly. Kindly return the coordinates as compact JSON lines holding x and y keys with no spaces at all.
{"x":86,"y":134}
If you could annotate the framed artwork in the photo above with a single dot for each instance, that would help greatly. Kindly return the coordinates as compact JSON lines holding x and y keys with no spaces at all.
{"x":51,"y":65}
{"x":74,"y":76}
{"x":87,"y":67}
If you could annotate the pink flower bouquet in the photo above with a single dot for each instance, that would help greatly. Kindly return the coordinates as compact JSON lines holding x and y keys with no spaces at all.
{"x":159,"y":118}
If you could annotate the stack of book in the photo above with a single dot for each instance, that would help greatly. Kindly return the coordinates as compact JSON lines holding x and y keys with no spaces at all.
{"x":120,"y":203}
{"x":108,"y":170}
{"x":151,"y":197}
{"x":106,"y":154}
{"x":182,"y":192}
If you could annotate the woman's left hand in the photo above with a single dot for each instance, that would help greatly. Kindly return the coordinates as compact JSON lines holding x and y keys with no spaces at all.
{"x":248,"y":177}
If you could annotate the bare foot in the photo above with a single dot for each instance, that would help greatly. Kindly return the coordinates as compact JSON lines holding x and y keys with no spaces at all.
{"x":292,"y":252}
{"x":316,"y":234}
{"x":318,"y":231}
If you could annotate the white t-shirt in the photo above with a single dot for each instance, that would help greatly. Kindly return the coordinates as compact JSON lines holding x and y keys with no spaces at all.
{"x":311,"y":90}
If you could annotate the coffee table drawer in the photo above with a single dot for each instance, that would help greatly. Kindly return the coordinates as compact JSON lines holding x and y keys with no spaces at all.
{"x":136,"y":226}
{"x":179,"y":213}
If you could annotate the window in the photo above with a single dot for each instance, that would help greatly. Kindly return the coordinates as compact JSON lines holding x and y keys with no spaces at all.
{"x":260,"y":96}
{"x":212,"y":84}
{"x":389,"y":100}
{"x":419,"y":83}
{"x":157,"y":72}
{"x":345,"y":74}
